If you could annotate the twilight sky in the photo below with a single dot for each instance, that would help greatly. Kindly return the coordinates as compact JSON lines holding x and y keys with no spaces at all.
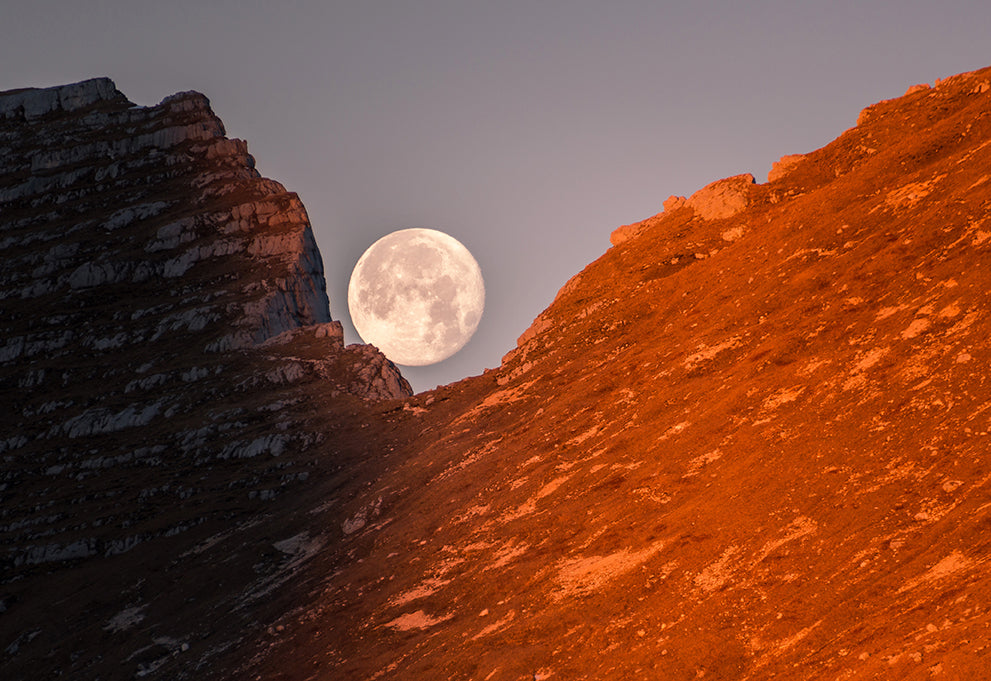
{"x":526,"y":130}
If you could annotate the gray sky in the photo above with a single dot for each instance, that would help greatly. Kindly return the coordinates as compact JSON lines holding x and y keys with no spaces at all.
{"x":526,"y":130}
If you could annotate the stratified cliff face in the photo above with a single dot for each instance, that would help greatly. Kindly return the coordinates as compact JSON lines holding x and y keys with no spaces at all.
{"x":750,"y":441}
{"x":162,"y":315}
{"x":104,"y":202}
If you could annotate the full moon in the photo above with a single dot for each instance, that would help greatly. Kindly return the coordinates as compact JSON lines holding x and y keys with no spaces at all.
{"x":417,"y":295}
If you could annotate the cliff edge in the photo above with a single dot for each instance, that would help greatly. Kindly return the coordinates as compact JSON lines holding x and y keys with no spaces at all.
{"x":162,"y":310}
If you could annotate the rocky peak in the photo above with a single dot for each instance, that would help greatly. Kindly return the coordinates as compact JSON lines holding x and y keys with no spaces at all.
{"x":31,"y":103}
{"x":162,"y":309}
{"x":151,"y":205}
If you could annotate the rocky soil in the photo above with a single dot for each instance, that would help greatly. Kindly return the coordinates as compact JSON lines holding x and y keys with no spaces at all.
{"x":750,"y":441}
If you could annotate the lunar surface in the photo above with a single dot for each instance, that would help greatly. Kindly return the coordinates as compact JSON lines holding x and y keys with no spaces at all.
{"x":417,"y":295}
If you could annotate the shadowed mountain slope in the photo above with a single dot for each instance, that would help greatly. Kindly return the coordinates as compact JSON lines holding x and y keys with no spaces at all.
{"x":170,"y":378}
{"x":750,"y":441}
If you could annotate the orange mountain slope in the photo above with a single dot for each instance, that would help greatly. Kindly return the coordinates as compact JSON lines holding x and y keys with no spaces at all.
{"x":750,"y":441}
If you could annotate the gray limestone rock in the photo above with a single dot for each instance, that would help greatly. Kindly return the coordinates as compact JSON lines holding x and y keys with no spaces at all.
{"x":32,"y":103}
{"x":158,"y":297}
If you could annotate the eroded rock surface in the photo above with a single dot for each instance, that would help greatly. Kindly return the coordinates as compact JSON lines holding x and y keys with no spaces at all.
{"x":717,"y":200}
{"x":163,"y":311}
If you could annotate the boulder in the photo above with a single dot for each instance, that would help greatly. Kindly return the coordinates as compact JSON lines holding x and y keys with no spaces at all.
{"x":723,"y":198}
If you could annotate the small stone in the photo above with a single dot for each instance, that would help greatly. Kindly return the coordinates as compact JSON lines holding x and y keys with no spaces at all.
{"x":732,"y":234}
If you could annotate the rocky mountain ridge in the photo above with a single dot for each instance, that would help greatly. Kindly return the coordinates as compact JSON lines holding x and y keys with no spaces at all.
{"x":749,"y":441}
{"x":161,"y":305}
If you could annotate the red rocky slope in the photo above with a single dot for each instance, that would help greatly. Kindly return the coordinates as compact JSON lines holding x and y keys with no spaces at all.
{"x":750,"y":441}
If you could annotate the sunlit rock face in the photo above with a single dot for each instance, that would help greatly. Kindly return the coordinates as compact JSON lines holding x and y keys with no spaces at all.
{"x":163,"y":311}
{"x":750,"y":441}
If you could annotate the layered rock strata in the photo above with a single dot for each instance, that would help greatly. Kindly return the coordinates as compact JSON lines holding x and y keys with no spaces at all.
{"x":162,"y":310}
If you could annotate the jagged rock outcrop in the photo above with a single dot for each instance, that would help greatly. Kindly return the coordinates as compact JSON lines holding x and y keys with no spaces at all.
{"x":716,"y":201}
{"x":163,"y":310}
{"x":100,"y":197}
{"x":783,"y":166}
